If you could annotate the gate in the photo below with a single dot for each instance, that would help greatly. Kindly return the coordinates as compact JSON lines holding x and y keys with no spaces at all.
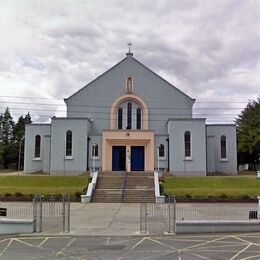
{"x":158,"y":218}
{"x":51,"y":214}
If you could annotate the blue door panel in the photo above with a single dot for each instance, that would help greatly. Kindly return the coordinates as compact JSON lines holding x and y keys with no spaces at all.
{"x":118,"y":158}
{"x":137,"y":158}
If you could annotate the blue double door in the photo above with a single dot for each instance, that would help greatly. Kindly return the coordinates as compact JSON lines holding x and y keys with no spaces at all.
{"x":119,"y":158}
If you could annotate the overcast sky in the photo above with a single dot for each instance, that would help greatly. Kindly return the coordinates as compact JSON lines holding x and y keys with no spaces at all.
{"x":50,"y":49}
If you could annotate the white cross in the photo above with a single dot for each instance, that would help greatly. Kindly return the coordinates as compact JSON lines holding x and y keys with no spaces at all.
{"x":129,"y":46}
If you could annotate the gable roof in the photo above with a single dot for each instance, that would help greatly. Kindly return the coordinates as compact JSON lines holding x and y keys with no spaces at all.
{"x":130,"y":55}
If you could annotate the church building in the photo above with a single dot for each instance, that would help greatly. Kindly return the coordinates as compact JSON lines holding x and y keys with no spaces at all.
{"x":130,"y":119}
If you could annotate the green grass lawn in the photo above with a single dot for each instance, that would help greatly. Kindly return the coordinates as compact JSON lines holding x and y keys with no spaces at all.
{"x":234,"y":187}
{"x":45,"y":185}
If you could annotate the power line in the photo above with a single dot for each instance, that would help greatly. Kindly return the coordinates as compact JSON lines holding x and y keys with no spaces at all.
{"x":152,"y":101}
{"x":100,"y":106}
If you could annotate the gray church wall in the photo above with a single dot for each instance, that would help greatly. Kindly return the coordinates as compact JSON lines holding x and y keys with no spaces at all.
{"x":214,"y":161}
{"x":32,"y":164}
{"x":196,"y":164}
{"x":77,"y":163}
{"x":163,"y":100}
{"x":47,"y":153}
{"x":95,"y":139}
{"x":163,"y":161}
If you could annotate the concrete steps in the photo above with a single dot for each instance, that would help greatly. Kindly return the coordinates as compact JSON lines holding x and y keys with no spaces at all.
{"x":109,"y":187}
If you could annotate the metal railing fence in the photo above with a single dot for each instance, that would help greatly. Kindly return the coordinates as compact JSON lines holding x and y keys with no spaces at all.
{"x":17,"y":212}
{"x":219,"y":212}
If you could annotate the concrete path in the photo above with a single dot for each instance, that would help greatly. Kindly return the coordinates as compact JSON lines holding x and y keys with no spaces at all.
{"x":114,"y":219}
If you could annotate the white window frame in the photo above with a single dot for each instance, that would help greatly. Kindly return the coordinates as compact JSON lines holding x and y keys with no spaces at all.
{"x":187,"y":158}
{"x":225,"y":159}
{"x":94,"y":157}
{"x":68,"y":157}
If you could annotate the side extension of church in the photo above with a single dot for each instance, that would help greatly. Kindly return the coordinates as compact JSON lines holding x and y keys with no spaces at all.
{"x":129,"y":118}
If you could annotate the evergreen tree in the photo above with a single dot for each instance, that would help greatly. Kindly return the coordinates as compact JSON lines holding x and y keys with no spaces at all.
{"x":7,"y":138}
{"x":248,"y":129}
{"x":1,"y":156}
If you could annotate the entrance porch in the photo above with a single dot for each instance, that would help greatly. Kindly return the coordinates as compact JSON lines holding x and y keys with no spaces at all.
{"x":131,"y":150}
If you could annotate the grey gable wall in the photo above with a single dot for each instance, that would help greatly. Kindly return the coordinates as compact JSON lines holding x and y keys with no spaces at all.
{"x":214,"y":162}
{"x":77,"y":163}
{"x":32,"y":164}
{"x":95,"y":99}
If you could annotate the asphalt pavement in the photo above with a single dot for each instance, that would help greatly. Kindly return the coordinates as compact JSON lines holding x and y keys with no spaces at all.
{"x":179,"y":247}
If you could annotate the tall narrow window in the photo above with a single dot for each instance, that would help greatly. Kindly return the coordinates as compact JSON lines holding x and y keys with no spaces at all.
{"x":69,"y":143}
{"x":187,"y":144}
{"x":37,"y":150}
{"x":129,"y":116}
{"x":161,"y":151}
{"x":120,"y":118}
{"x":94,"y":150}
{"x":223,"y":147}
{"x":138,"y":118}
{"x":129,"y":85}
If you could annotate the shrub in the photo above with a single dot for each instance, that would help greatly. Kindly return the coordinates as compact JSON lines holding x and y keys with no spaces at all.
{"x":78,"y":194}
{"x":18,"y":194}
{"x":188,"y":196}
{"x":161,"y":185}
{"x":244,"y":196}
{"x":223,"y":196}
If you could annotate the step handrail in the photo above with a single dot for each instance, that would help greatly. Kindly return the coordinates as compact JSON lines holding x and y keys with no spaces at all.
{"x":158,"y":198}
{"x":123,"y":185}
{"x":86,"y":198}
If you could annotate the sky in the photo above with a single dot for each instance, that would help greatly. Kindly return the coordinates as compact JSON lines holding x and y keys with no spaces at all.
{"x":208,"y":49}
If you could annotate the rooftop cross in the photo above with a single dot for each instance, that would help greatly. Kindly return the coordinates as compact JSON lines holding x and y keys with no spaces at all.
{"x":129,"y":47}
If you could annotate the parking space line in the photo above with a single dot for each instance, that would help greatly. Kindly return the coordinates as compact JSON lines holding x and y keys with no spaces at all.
{"x":10,"y":242}
{"x":138,"y":243}
{"x":68,"y":244}
{"x":205,"y":243}
{"x":238,"y":238}
{"x":43,"y":241}
{"x":162,"y":244}
{"x":251,"y":257}
{"x":203,"y":257}
{"x":5,"y":239}
{"x":223,"y":246}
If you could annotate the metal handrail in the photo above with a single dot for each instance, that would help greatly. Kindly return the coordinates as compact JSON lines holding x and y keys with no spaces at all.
{"x":123,"y":186}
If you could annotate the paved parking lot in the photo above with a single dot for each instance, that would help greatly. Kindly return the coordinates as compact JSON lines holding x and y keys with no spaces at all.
{"x":180,"y":247}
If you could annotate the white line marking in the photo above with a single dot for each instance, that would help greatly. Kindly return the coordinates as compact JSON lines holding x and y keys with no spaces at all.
{"x":2,"y":253}
{"x":240,"y":252}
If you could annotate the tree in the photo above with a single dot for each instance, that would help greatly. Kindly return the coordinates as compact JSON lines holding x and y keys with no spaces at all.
{"x":248,"y":130}
{"x":19,"y":134}
{"x":7,"y":140}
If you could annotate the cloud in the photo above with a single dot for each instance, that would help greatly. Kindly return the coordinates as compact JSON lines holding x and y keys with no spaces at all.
{"x":208,"y":49}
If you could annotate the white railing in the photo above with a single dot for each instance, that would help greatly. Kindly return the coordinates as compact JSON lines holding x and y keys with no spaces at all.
{"x":91,"y":186}
{"x":17,"y":212}
{"x":158,"y":198}
{"x":218,"y":213}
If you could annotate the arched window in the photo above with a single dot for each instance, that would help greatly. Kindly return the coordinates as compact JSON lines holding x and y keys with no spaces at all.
{"x":138,"y":118}
{"x":94,"y":151}
{"x":187,"y":144}
{"x":129,"y":85}
{"x":161,"y":151}
{"x":223,"y":147}
{"x":120,"y":118}
{"x":129,"y":116}
{"x":68,"y":143}
{"x":37,"y":148}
